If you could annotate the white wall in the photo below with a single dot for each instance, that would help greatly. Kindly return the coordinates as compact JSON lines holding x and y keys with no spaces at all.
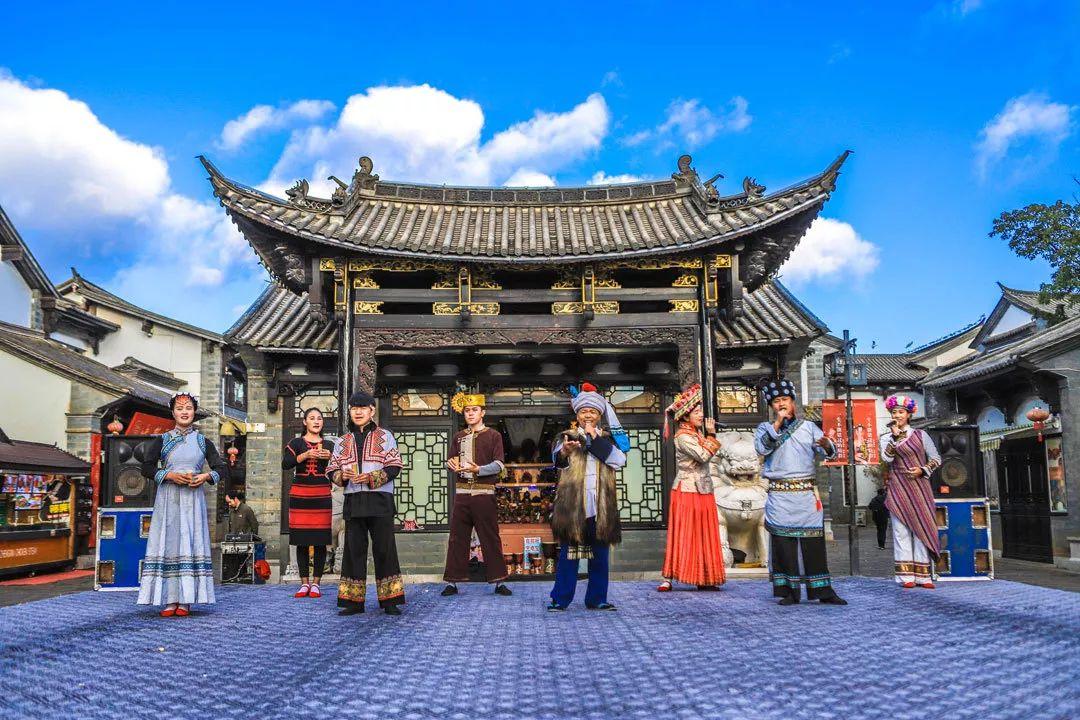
{"x":1013,"y":318}
{"x":15,"y":296}
{"x":165,"y":349}
{"x":70,"y":340}
{"x":35,"y":402}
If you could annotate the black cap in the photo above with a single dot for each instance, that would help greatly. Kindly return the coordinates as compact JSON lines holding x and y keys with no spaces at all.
{"x":361,"y":399}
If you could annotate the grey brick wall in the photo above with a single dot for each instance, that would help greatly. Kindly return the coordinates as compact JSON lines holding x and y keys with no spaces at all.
{"x":83,"y":418}
{"x":264,"y":457}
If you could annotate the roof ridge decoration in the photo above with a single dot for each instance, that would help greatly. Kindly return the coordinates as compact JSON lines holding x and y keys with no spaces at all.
{"x":524,"y":227}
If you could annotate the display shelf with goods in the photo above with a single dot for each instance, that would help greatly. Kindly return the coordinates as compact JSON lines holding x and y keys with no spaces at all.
{"x":525,"y":500}
{"x":37,"y":520}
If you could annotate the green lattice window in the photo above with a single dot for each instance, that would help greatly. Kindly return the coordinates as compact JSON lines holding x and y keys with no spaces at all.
{"x":420,"y":490}
{"x":640,"y":484}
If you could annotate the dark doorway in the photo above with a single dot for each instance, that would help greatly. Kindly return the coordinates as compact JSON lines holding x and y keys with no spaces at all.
{"x":1025,"y":500}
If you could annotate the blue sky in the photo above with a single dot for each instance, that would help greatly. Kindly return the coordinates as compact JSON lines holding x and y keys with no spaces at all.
{"x":955,"y":111}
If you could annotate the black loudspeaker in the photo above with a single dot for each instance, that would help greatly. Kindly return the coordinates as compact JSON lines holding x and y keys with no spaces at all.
{"x":123,"y":484}
{"x":960,"y":474}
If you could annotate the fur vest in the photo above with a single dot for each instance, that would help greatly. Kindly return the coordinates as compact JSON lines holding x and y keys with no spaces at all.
{"x":568,"y":513}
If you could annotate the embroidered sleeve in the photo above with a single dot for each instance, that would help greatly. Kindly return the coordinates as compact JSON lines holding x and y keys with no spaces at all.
{"x":766,"y":439}
{"x":159,"y":476}
{"x":378,"y":478}
{"x":815,"y":435}
{"x":888,"y":447}
{"x":933,"y":457}
{"x":700,"y":449}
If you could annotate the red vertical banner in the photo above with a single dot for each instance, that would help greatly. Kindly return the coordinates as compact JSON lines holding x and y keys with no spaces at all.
{"x":95,"y":483}
{"x":864,"y":422}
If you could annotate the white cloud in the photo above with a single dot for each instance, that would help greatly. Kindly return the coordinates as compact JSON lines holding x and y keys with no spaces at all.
{"x":1025,"y":120}
{"x":964,"y":8}
{"x":422,"y":134}
{"x":523,"y":177}
{"x":832,"y":251}
{"x":602,"y":178}
{"x":689,"y":124}
{"x":62,"y":167}
{"x":635,"y":139}
{"x":264,"y":117}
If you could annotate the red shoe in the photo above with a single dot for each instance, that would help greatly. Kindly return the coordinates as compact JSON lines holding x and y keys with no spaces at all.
{"x":664,"y":586}
{"x":182,"y":612}
{"x":168,"y":612}
{"x":928,"y":585}
{"x":908,"y":585}
{"x":304,"y":591}
{"x":314,"y":592}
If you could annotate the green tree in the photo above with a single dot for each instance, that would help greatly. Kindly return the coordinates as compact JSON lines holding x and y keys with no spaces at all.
{"x":1050,"y":232}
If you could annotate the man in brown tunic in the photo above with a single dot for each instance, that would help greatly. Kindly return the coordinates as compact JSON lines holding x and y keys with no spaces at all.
{"x":476,"y":459}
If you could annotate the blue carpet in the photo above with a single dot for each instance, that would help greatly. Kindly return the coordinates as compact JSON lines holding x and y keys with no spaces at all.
{"x":965,"y":650}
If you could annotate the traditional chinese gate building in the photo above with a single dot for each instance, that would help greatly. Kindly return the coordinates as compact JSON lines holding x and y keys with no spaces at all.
{"x":413,"y":291}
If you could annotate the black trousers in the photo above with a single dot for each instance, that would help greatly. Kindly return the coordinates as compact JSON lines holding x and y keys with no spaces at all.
{"x":304,"y":565}
{"x":389,"y":585}
{"x":882,"y":526}
{"x":788,"y":575}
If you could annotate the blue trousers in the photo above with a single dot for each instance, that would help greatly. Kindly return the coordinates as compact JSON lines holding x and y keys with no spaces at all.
{"x":566,"y":571}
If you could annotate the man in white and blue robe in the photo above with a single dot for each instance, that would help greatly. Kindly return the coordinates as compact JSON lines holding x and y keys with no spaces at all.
{"x":793,"y":512}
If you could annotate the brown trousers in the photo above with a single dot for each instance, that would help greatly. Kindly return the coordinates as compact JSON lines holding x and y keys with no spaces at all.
{"x":481,"y":512}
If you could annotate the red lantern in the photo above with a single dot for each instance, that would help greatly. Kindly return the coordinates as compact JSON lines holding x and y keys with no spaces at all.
{"x":1038,"y":416}
{"x":115,"y":426}
{"x":233,"y":453}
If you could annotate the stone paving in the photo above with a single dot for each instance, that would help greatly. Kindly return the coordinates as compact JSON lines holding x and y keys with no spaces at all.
{"x":965,"y":650}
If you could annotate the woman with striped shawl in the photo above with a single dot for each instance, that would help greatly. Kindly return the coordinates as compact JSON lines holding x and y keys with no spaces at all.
{"x":912,"y":458}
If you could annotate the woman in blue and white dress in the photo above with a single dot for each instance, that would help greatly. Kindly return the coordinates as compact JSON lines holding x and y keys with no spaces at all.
{"x":177,"y":571}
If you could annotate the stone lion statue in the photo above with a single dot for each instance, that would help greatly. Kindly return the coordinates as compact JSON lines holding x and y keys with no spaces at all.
{"x":740,"y":498}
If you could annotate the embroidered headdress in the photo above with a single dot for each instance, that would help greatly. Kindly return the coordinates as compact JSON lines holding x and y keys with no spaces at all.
{"x":683,"y":405}
{"x":777,"y":387}
{"x":588,"y":397}
{"x":461,"y":400}
{"x":895,"y":401}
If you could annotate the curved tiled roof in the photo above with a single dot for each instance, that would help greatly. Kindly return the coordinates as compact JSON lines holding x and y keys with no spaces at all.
{"x":504,"y":225}
{"x":994,"y":361}
{"x":771,"y":315}
{"x":280,"y":320}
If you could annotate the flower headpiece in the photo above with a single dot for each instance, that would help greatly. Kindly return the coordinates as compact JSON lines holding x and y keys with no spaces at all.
{"x":189,"y":395}
{"x":895,"y":401}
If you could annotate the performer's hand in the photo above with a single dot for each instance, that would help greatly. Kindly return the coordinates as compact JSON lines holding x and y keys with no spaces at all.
{"x":180,"y":478}
{"x":570,"y":446}
{"x":591,"y":430}
{"x":916,"y":473}
{"x":323,"y":454}
{"x":824,"y":443}
{"x":453,"y":464}
{"x":364,"y":479}
{"x":710,"y":426}
{"x":350,"y":474}
{"x":470,"y":467}
{"x":197,"y":480}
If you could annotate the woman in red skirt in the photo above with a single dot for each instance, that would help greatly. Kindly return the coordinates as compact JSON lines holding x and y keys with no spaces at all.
{"x":693,"y":554}
{"x":310,"y":504}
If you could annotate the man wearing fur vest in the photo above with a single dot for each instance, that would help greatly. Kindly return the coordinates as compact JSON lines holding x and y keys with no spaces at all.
{"x":585,"y":517}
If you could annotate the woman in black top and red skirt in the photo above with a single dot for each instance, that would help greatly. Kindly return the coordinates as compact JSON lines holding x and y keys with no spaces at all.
{"x":309,"y":499}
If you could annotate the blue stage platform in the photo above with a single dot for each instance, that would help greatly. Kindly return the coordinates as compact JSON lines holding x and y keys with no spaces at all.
{"x":966,"y":650}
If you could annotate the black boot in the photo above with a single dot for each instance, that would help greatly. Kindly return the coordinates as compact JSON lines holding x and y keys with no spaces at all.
{"x":501,"y":589}
{"x":350,"y":611}
{"x":392,"y":610}
{"x":449,"y":590}
{"x":834,"y":600}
